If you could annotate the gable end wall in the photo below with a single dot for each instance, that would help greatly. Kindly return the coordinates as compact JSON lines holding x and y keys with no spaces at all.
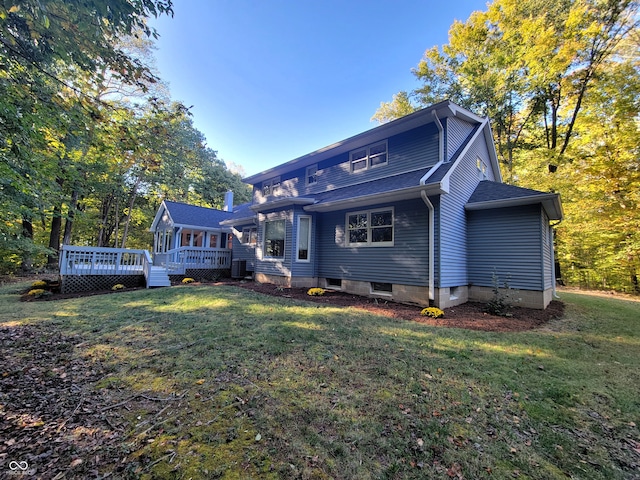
{"x":452,"y":216}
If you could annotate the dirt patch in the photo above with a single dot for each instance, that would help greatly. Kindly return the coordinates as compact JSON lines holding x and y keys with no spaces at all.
{"x":470,"y":315}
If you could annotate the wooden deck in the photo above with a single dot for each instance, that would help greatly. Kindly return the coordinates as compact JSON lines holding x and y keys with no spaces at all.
{"x":103,"y":261}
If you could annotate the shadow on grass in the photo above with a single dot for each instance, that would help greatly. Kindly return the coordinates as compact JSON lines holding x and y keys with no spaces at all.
{"x":271,"y":388}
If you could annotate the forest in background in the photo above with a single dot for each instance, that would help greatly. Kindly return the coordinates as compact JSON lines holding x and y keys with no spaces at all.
{"x":90,"y":140}
{"x":559,"y":80}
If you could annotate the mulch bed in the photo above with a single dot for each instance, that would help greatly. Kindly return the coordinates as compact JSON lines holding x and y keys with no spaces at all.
{"x":470,"y":315}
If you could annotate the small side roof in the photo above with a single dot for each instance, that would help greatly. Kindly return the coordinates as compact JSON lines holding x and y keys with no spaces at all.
{"x":489,"y":194}
{"x":185,"y":215}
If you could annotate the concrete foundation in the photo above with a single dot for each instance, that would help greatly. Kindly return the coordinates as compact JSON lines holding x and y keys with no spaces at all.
{"x":518,"y":298}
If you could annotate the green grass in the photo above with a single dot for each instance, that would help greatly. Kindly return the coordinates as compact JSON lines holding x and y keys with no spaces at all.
{"x":276,"y":389}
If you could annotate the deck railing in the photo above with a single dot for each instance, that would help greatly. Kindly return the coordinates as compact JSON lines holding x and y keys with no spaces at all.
{"x":179,"y":259}
{"x":102,"y":261}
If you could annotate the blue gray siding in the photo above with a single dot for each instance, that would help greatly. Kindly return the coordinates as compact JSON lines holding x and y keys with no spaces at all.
{"x":243,"y":251}
{"x":275,"y":267}
{"x":409,"y":151}
{"x":406,"y":262}
{"x":509,"y":241}
{"x":456,"y":132}
{"x":303,"y":269}
{"x":547,"y":249}
{"x":453,"y":223}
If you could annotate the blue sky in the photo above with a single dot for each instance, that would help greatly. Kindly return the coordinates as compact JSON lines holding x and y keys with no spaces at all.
{"x":272,"y":80}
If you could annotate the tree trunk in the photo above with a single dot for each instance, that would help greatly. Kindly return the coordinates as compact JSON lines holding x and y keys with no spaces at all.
{"x":27,"y":232}
{"x":54,"y":237}
{"x":68,"y":224}
{"x":134,"y":194}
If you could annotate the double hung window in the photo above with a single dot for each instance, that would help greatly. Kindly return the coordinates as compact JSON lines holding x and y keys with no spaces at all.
{"x":369,"y":157}
{"x":274,"y":234}
{"x":370,"y":228}
{"x":249,"y":235}
{"x":271,"y":186}
{"x":304,"y":238}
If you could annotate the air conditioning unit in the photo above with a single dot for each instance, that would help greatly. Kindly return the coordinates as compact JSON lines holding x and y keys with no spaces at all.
{"x":238,"y":268}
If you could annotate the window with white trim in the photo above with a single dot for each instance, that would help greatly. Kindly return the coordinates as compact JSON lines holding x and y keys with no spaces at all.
{"x":311,"y":175}
{"x":482,"y":168}
{"x":370,"y":228}
{"x":369,"y":157}
{"x":304,"y":239}
{"x":271,"y":186}
{"x":249,"y":235}
{"x":274,"y":233}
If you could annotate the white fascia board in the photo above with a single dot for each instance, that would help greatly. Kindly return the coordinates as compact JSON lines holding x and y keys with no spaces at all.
{"x":464,"y":114}
{"x":281,"y":202}
{"x":197,"y":227}
{"x":463,"y":154}
{"x":365,"y":200}
{"x":495,"y":164}
{"x":239,"y":221}
{"x":156,"y":219}
{"x":550,"y":202}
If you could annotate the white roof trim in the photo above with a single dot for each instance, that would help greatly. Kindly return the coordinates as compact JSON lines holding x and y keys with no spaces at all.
{"x":281,"y":202}
{"x":365,"y":200}
{"x":447,"y":176}
{"x":156,"y":219}
{"x":550,"y":202}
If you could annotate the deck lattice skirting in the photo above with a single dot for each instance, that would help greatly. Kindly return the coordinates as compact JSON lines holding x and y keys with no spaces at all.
{"x":89,"y":283}
{"x":200,"y":274}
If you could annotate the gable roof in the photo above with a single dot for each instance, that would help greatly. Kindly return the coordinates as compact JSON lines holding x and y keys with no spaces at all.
{"x":242,"y":214}
{"x":185,"y":215}
{"x":421,"y":117}
{"x":489,"y":194}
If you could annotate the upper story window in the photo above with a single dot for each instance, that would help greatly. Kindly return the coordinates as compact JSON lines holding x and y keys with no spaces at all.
{"x":368,"y":157}
{"x":271,"y":186}
{"x":311,"y":175}
{"x":482,"y":168}
{"x":370,"y":228}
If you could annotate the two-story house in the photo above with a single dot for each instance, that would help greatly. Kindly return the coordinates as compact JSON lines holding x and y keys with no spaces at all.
{"x":412,"y":211}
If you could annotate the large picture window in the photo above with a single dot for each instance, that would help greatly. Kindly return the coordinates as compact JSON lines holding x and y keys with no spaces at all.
{"x":304,"y":239}
{"x":369,"y":157}
{"x":274,"y":232}
{"x":370,"y":228}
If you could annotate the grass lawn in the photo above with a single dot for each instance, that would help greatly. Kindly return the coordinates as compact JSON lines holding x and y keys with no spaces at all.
{"x":220,"y":382}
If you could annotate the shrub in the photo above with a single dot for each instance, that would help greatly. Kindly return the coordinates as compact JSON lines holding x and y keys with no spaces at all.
{"x":501,"y":302}
{"x":187,"y":280}
{"x":118,"y":286}
{"x":36,"y":292}
{"x":39,"y":284}
{"x":315,"y":291}
{"x":433,"y":312}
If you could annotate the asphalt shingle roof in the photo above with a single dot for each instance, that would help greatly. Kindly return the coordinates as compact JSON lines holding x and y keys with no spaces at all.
{"x":184,"y":214}
{"x":383,"y":185}
{"x":488,"y":190}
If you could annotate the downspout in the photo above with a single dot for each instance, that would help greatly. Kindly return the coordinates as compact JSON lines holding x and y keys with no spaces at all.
{"x":429,"y":205}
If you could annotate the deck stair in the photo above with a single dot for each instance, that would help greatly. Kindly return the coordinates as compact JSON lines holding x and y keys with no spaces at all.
{"x":158,"y":277}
